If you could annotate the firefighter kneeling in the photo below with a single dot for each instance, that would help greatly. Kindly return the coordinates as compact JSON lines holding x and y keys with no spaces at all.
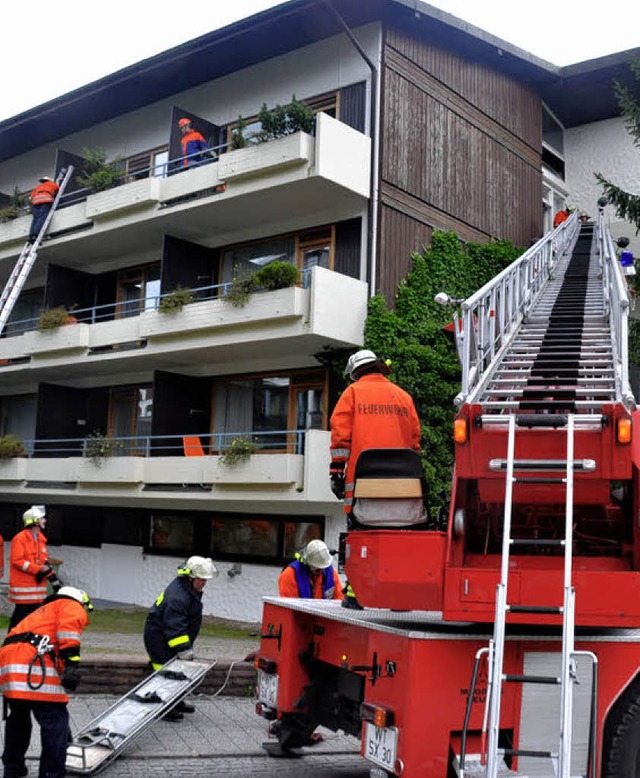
{"x":38,"y":663}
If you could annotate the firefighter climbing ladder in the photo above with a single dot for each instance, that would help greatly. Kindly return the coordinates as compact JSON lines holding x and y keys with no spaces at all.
{"x":117,"y":728}
{"x":28,"y":256}
{"x":545,"y":348}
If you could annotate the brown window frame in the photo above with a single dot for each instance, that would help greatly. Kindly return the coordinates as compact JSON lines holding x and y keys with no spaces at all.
{"x":146,"y":157}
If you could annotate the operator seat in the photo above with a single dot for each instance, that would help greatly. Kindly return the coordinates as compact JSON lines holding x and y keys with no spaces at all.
{"x":390,"y":490}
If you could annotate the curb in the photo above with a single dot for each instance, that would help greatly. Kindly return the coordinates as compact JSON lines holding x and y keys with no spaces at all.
{"x":118,"y":674}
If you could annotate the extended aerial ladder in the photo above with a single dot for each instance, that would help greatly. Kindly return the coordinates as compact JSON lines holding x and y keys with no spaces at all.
{"x":28,"y":255}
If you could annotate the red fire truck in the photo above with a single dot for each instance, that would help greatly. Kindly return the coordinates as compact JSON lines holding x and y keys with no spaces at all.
{"x":507,"y":643}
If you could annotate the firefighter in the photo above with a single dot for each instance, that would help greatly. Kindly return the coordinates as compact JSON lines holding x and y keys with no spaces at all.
{"x":38,"y":664}
{"x":562,"y":216}
{"x":42,"y":197}
{"x":191,"y":143}
{"x":29,"y":567}
{"x":371,"y":413}
{"x":311,"y":575}
{"x":173,"y":623}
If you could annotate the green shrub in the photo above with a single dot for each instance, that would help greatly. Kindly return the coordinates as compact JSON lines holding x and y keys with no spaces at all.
{"x":238,"y":140}
{"x":97,"y":174}
{"x":97,"y":447}
{"x":239,"y":451}
{"x":11,"y":446}
{"x":52,"y":318}
{"x":239,"y":291}
{"x":276,"y":275}
{"x":10,"y":213}
{"x":175,"y":301}
{"x":283,"y":120}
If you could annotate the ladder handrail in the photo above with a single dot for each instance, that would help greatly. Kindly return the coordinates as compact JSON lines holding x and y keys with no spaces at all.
{"x":28,"y":255}
{"x":489,"y":318}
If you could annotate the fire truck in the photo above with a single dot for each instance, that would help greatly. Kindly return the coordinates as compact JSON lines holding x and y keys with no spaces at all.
{"x":508,"y":641}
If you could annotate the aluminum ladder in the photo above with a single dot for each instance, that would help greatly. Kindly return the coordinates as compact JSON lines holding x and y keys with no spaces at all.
{"x":109,"y":734}
{"x":28,"y":256}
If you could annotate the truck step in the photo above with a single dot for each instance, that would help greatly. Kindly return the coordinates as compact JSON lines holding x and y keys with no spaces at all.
{"x":541,"y":679}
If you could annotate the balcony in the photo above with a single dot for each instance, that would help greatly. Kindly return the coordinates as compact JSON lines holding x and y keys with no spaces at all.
{"x":284,"y":478}
{"x":286,"y":325}
{"x":286,"y":179}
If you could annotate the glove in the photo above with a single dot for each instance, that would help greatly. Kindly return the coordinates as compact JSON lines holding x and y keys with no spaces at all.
{"x":337,"y":485}
{"x":187,"y":655}
{"x":44,"y":572}
{"x":70,"y":678}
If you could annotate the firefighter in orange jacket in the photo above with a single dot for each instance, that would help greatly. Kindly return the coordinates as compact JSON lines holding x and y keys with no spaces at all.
{"x":28,"y":565}
{"x":311,"y":575}
{"x":42,"y":198}
{"x":562,"y":216}
{"x":191,"y":143}
{"x":371,"y":413}
{"x":38,"y":663}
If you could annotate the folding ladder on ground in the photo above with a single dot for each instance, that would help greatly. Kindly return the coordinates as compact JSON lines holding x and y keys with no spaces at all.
{"x":28,"y":255}
{"x":108,"y":735}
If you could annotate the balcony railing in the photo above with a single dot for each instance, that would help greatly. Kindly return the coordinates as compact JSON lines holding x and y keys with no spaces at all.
{"x":213,"y":444}
{"x":128,"y":308}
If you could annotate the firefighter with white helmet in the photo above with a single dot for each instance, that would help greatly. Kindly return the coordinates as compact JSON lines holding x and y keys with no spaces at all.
{"x":29,"y":565}
{"x":174,"y":621}
{"x":311,"y":575}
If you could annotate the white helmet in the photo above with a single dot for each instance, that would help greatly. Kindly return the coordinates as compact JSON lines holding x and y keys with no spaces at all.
{"x":76,"y":594}
{"x":199,"y":567}
{"x":361,"y":359}
{"x":33,"y":515}
{"x":317,"y":555}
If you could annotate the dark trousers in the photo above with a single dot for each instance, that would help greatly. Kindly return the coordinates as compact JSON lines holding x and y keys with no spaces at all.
{"x":39,"y":214}
{"x":22,"y":611}
{"x":53,"y":719}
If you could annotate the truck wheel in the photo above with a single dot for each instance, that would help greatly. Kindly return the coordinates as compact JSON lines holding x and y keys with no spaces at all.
{"x":621,"y":747}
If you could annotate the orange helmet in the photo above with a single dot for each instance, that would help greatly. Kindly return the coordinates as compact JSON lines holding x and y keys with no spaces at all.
{"x":184,"y":122}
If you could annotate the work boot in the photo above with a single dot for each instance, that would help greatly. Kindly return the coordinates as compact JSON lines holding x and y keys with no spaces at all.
{"x":173,"y":715}
{"x":185,"y":707}
{"x":350,"y":599}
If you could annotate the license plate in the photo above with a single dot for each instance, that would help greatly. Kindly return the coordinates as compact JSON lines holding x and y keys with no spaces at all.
{"x":380,"y":745}
{"x":268,"y":688}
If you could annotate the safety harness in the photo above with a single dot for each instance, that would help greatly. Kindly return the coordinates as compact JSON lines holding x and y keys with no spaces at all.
{"x":43,"y":646}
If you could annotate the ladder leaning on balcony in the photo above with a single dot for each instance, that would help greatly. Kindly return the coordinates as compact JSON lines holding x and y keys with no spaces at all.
{"x":28,"y":255}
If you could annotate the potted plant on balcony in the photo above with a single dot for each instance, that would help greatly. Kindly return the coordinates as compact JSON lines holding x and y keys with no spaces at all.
{"x":97,"y":174}
{"x":284,"y":120}
{"x":275,"y":275}
{"x":52,"y":318}
{"x":11,"y":446}
{"x":174,"y":301}
{"x":17,"y":207}
{"x":239,"y":451}
{"x":98,"y":447}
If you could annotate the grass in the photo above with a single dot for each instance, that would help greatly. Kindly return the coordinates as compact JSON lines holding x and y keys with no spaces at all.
{"x":130,"y":621}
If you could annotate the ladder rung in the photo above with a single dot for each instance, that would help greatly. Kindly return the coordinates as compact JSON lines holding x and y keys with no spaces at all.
{"x":585,"y":465}
{"x":550,"y":609}
{"x":539,"y":480}
{"x":537,"y":541}
{"x":585,"y":418}
{"x":543,"y":679}
{"x":526,"y":752}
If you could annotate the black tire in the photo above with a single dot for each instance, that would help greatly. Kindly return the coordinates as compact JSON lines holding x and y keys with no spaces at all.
{"x":621,"y":745}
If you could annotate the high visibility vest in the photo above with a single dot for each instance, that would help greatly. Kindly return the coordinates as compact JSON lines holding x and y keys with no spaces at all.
{"x":62,"y":621}
{"x":371,"y":413}
{"x":291,"y":583}
{"x":28,"y":554}
{"x":44,"y":193}
{"x":191,"y":143}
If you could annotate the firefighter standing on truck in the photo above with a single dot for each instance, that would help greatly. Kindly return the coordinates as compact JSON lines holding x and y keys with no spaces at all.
{"x":174,"y":621}
{"x":311,"y":576}
{"x":29,"y":567}
{"x":38,"y":664}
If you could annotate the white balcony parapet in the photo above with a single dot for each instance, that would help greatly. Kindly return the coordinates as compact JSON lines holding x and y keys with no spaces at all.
{"x":342,"y":155}
{"x":127,"y":197}
{"x":296,"y":149}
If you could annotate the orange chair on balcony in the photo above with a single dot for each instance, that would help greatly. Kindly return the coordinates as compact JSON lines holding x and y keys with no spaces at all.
{"x":192,"y":446}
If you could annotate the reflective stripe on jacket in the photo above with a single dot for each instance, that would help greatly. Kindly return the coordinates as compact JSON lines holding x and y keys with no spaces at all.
{"x":27,"y":555}
{"x":371,"y":413}
{"x":44,"y":193}
{"x":62,"y":619}
{"x":326,"y":586}
{"x":191,"y":143}
{"x":174,"y":620}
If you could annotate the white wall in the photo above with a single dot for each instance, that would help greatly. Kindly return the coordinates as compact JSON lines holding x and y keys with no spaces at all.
{"x":603,"y":147}
{"x":310,"y":71}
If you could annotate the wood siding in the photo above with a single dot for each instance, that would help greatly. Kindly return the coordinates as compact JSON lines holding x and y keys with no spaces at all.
{"x":460,"y":150}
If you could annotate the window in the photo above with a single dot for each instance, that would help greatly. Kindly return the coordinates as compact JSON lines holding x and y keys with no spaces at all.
{"x":27,"y":309}
{"x":130,"y":414}
{"x":304,"y":250}
{"x":171,"y":534}
{"x":147,"y":163}
{"x":138,"y":290}
{"x":18,"y":417}
{"x":270,"y":409}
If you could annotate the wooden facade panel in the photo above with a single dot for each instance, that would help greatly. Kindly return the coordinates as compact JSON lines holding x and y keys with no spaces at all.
{"x":459,"y":162}
{"x":400,"y":236}
{"x":508,"y":102}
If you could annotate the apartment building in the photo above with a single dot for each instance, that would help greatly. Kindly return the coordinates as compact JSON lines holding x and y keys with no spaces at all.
{"x":127,"y":412}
